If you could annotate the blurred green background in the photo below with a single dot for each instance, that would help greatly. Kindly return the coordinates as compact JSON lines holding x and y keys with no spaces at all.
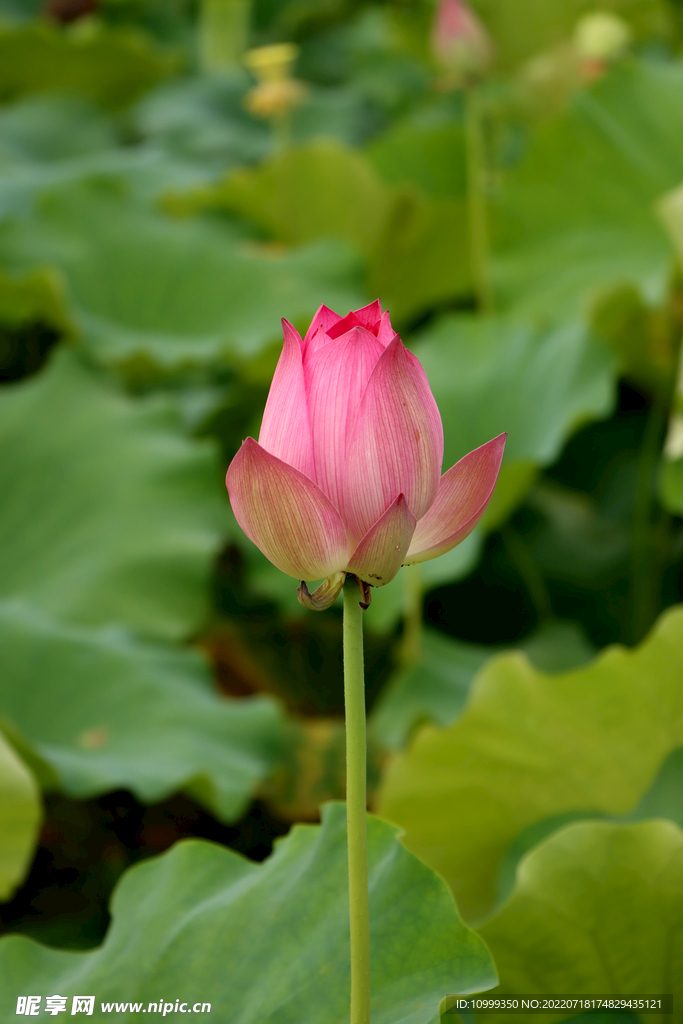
{"x":163,"y":202}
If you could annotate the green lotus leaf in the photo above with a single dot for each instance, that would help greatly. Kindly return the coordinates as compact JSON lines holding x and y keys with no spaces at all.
{"x":672,"y":485}
{"x":494,"y":374}
{"x":322,"y":188}
{"x":20,"y":815}
{"x":416,"y":246}
{"x":521,"y":28}
{"x":427,"y":151}
{"x":34,"y":298}
{"x":33,"y":314}
{"x":577,"y":214}
{"x":173,"y":292}
{"x":266,"y":942}
{"x":597,"y":908}
{"x":54,"y":138}
{"x":107,"y":712}
{"x":433,"y":689}
{"x":664,"y":799}
{"x":109,"y":513}
{"x":421,"y":259}
{"x":670,"y":209}
{"x":530,"y":746}
{"x":110,"y":66}
{"x":436,"y":686}
{"x":51,"y":127}
{"x":202,"y":119}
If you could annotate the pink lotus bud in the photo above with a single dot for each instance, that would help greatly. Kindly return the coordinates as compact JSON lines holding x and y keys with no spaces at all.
{"x":346,"y":474}
{"x":460,"y":42}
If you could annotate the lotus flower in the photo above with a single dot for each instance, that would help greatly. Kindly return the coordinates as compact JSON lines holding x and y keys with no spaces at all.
{"x":346,"y":474}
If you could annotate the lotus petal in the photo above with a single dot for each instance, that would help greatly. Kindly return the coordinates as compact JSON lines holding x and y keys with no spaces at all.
{"x":336,"y":376}
{"x":397,"y":443}
{"x":285,"y":430}
{"x":324,"y":319}
{"x":285,"y":514}
{"x":383,"y":549}
{"x":464,"y":492}
{"x":385,"y":333}
{"x":370,"y":315}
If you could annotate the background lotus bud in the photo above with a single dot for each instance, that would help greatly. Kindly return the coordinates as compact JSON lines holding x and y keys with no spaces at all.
{"x":461,"y":44}
{"x":346,"y":474}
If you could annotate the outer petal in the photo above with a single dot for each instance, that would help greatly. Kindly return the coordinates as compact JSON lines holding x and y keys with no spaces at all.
{"x":397,"y":443}
{"x":386,"y":332}
{"x":369,"y":315}
{"x":323,"y":320}
{"x":286,"y":430}
{"x":336,"y":376}
{"x":285,"y":514}
{"x":383,"y":549}
{"x":464,"y":492}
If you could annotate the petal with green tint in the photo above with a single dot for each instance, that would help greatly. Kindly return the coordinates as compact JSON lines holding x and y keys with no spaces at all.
{"x":336,"y":374}
{"x":285,"y":514}
{"x":396,"y":444}
{"x":464,"y":492}
{"x":382,"y":551}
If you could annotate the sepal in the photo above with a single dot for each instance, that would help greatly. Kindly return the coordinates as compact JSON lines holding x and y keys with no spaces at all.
{"x":324,"y":596}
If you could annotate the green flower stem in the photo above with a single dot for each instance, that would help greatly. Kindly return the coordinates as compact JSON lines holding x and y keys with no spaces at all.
{"x":223,"y":32}
{"x":411,"y":648}
{"x":480,"y":258}
{"x":282,"y":131}
{"x":356,"y":803}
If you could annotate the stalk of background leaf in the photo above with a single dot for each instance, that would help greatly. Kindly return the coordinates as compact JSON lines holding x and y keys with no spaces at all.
{"x":223,"y":32}
{"x":464,"y":50}
{"x":476,"y":201}
{"x":356,"y":803}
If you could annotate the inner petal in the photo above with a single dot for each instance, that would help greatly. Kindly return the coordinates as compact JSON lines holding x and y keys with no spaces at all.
{"x":343,"y":326}
{"x":385,"y":332}
{"x":369,"y":317}
{"x":335,"y":377}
